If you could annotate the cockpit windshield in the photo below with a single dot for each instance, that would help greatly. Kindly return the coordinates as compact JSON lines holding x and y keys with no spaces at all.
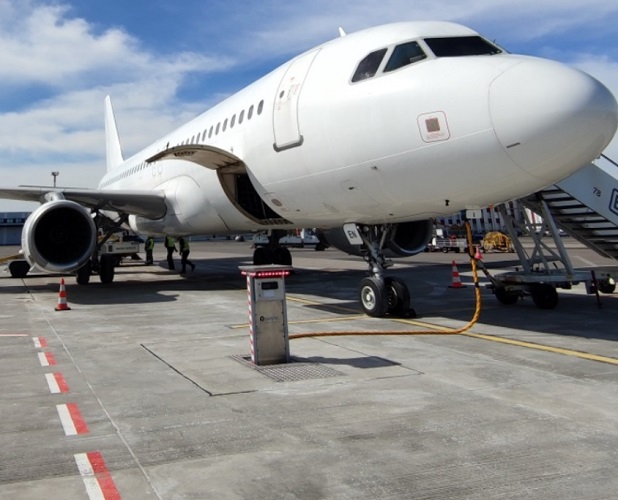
{"x":369,"y":65}
{"x":461,"y":46}
{"x":404,"y":54}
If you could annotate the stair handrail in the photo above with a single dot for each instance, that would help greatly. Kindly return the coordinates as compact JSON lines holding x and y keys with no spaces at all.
{"x":609,"y":160}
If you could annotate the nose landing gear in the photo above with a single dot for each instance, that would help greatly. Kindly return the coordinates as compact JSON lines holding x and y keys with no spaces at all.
{"x":380,"y":295}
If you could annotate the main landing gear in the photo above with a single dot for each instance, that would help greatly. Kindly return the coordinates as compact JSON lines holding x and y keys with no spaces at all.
{"x":380,"y":295}
{"x":103,"y":265}
{"x":273,"y":252}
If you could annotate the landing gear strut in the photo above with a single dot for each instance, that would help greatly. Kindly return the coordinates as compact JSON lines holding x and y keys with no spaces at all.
{"x":380,"y":295}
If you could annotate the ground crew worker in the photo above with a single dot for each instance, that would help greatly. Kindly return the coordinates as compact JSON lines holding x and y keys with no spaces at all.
{"x":149,"y":246}
{"x":185,"y":250}
{"x":170,"y":245}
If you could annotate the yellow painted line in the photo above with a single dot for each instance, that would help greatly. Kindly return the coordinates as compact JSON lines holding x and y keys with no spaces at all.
{"x":322,"y":304}
{"x":520,"y":343}
{"x":543,"y":347}
{"x":493,"y":338}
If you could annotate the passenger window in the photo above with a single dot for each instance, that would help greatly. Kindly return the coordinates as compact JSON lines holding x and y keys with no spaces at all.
{"x":404,"y":54}
{"x":224,"y":125}
{"x":260,"y":107}
{"x":369,"y":65}
{"x":204,"y":134}
{"x":233,"y":121}
{"x":241,"y":116}
{"x":210,"y":131}
{"x":250,"y":114}
{"x":217,"y":131}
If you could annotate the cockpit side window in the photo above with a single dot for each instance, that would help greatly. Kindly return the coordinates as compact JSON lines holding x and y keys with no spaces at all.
{"x":368,"y":67}
{"x":404,"y":54}
{"x":461,"y":46}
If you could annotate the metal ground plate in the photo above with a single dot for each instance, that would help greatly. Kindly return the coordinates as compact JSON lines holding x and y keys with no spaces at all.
{"x":293,"y":371}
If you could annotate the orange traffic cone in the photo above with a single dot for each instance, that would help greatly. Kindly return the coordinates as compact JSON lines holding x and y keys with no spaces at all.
{"x":62,"y":298}
{"x":478,"y":255}
{"x":456,"y":280}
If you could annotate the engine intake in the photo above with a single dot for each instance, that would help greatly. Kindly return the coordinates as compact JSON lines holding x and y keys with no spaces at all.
{"x":59,"y":236}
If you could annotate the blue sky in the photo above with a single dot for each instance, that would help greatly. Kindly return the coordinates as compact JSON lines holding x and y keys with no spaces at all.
{"x":165,"y":62}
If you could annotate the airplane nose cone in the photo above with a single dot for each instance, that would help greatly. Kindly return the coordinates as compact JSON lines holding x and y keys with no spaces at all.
{"x":550,"y":118}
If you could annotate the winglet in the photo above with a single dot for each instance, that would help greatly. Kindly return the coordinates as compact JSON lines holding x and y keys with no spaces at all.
{"x":112,"y":142}
{"x":341,"y":32}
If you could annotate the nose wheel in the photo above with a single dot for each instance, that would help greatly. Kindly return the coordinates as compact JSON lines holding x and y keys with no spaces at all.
{"x":390,"y":296}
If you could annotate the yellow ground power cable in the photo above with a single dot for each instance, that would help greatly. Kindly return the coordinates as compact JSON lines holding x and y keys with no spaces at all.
{"x":442,"y":331}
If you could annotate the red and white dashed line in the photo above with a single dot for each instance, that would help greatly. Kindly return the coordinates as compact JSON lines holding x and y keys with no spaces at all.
{"x":71,"y":419}
{"x":47,"y":359}
{"x":98,"y":480}
{"x":56,"y":383}
{"x":39,"y":342}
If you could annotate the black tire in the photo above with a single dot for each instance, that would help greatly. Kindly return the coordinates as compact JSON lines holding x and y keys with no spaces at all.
{"x":260,"y":256}
{"x":544,"y":296}
{"x":282,"y":256}
{"x":19,"y":268}
{"x":320,"y":247}
{"x":607,"y":285}
{"x":106,"y":268}
{"x":83,"y":274}
{"x":373,"y":297}
{"x":398,"y":297}
{"x":506,"y":297}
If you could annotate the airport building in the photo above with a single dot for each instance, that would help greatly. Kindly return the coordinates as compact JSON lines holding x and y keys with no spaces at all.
{"x":11,"y":225}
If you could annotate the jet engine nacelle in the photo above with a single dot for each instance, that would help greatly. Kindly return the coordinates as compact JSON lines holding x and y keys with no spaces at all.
{"x":406,"y":238}
{"x":59,"y":236}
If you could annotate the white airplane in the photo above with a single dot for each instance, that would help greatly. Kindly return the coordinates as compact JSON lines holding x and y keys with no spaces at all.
{"x":368,"y":136}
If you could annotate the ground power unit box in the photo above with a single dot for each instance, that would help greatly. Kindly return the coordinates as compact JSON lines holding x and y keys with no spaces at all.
{"x":268,"y":322}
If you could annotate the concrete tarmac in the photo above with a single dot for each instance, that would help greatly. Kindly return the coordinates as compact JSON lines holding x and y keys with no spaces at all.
{"x":142,"y":390}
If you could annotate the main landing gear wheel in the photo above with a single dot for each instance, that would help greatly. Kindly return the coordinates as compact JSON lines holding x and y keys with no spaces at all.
{"x":544,"y":296}
{"x":106,"y":268}
{"x":266,"y":255}
{"x":83,"y":274}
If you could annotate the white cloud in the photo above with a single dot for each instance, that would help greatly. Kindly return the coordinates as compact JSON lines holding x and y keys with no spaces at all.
{"x":78,"y":62}
{"x":41,"y":46}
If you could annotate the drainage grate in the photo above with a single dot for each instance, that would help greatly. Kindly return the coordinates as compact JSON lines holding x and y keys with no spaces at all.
{"x":293,"y":371}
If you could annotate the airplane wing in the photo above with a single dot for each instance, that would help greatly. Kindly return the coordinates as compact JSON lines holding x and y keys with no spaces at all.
{"x":149,"y":204}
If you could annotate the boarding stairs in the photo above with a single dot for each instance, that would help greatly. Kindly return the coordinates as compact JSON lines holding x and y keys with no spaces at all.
{"x":585,"y":206}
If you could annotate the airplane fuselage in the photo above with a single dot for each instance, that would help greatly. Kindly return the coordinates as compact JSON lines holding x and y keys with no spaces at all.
{"x":429,"y":138}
